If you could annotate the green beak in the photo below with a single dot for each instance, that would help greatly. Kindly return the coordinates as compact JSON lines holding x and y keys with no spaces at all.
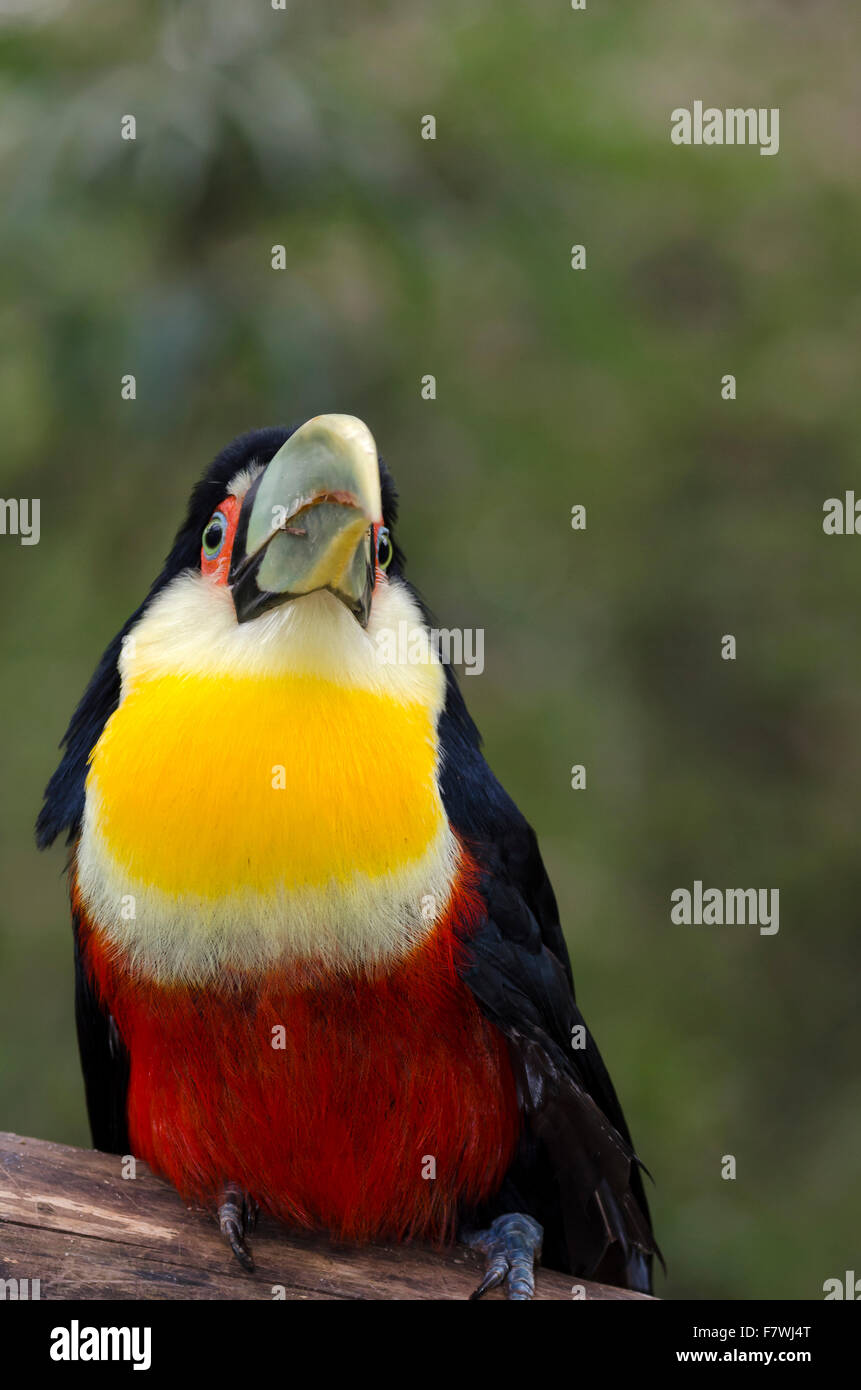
{"x":307,"y":522}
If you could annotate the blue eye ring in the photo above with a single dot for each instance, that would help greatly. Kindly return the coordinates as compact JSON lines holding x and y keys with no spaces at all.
{"x":385,"y":548}
{"x":214,"y":537}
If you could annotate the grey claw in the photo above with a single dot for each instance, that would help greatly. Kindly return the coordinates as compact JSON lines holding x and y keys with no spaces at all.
{"x":511,"y":1246}
{"x":237,"y":1216}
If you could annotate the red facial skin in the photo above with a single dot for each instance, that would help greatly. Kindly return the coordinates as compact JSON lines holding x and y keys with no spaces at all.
{"x":333,"y":1130}
{"x":379,"y":572}
{"x":219,"y":567}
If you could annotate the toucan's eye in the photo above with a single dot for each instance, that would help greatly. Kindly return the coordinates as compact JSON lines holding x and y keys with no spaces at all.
{"x":385,"y":549}
{"x":214,"y":535}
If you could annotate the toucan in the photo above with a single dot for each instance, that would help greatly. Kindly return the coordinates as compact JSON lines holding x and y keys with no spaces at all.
{"x":319,"y":967}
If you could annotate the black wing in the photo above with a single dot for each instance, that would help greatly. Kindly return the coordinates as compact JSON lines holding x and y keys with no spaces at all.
{"x":576,"y":1171}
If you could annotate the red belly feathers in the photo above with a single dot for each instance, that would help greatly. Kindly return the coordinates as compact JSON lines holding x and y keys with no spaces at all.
{"x":384,"y":1103}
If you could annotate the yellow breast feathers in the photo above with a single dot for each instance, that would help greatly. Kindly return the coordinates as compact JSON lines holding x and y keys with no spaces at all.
{"x":248,"y":803}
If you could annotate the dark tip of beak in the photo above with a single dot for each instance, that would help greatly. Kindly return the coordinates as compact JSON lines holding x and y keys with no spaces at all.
{"x":250,"y":601}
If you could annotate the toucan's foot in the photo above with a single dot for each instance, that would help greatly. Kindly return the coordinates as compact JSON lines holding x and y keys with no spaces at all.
{"x":237,"y":1217}
{"x":510,"y":1245}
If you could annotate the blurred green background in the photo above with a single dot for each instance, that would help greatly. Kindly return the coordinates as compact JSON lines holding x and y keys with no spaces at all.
{"x":554,"y":387}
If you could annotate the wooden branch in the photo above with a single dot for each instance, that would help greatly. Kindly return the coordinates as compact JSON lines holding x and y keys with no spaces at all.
{"x":70,"y":1220}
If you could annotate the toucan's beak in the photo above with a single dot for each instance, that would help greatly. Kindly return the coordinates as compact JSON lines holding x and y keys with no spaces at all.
{"x":307,"y":522}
